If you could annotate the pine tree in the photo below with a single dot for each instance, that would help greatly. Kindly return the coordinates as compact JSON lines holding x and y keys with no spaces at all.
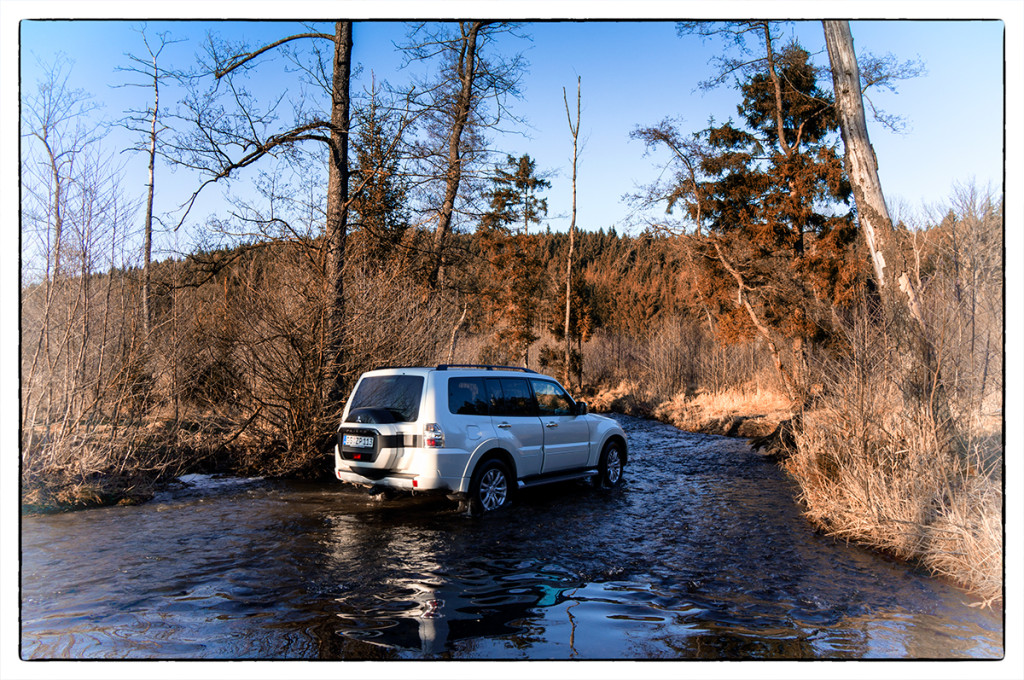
{"x":515,"y":288}
{"x":769,"y":198}
{"x":513,"y":195}
{"x":379,"y":191}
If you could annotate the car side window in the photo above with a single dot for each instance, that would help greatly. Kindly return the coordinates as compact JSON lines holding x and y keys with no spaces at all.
{"x":511,"y":397}
{"x":494,"y":396}
{"x":467,"y":396}
{"x":552,"y":399}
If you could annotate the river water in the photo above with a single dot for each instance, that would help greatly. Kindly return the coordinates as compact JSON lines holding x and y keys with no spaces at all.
{"x":702,"y":554}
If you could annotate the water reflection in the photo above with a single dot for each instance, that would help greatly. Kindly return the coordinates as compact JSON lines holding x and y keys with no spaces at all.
{"x":425,"y":595}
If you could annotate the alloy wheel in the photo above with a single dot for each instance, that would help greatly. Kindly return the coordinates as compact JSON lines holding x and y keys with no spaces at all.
{"x":493,"y":489}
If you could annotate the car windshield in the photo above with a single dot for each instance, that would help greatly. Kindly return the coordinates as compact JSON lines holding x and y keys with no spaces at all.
{"x":399,"y":394}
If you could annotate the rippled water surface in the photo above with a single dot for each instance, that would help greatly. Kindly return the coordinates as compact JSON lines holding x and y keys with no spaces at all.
{"x":701,"y":554}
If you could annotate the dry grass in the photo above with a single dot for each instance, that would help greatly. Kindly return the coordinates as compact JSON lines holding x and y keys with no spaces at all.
{"x":103,"y":466}
{"x":871,"y":469}
{"x":738,"y":411}
{"x":737,"y":401}
{"x":965,"y":541}
{"x":627,"y":398}
{"x":748,"y":412}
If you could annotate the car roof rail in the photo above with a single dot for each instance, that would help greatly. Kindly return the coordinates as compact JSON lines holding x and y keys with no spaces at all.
{"x":386,"y":367}
{"x":485,"y":367}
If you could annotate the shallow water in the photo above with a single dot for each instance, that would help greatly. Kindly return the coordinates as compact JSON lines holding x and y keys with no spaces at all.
{"x":701,"y":554}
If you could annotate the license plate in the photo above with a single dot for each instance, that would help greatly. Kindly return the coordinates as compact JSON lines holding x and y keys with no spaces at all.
{"x":357,"y":441}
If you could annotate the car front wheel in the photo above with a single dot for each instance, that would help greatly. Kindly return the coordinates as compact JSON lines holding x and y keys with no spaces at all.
{"x":491,"y":487}
{"x":611,"y":465}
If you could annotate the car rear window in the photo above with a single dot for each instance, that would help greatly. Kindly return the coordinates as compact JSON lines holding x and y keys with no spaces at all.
{"x":399,"y":394}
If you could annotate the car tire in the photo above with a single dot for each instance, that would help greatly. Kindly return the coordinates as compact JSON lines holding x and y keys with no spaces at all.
{"x":491,"y":487}
{"x":610,"y":467}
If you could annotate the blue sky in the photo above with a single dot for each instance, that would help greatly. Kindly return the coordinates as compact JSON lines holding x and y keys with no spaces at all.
{"x":633,"y":73}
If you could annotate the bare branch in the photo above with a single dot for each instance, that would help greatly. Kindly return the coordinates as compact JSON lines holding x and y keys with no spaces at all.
{"x":234,"y":62}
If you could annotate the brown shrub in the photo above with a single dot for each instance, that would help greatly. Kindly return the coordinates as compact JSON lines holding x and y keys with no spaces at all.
{"x":102,"y":466}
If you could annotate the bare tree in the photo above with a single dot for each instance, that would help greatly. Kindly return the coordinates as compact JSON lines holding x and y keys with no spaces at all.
{"x":876,"y":225}
{"x":861,"y":163}
{"x":452,"y":104}
{"x":147,"y":123}
{"x":52,"y":123}
{"x":222,"y":144}
{"x":574,"y":130}
{"x":83,"y":359}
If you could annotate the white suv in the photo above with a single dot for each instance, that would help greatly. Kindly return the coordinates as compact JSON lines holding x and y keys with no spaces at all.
{"x":477,"y":433}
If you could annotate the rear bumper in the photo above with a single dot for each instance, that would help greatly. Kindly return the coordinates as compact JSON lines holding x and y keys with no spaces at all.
{"x":402,"y":481}
{"x":407,"y":469}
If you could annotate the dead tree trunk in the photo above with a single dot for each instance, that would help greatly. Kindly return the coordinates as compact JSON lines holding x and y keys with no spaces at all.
{"x":861,"y":163}
{"x":145,"y":123}
{"x":466,"y":70}
{"x":741,"y":300}
{"x":575,"y":130}
{"x":147,"y":306}
{"x":455,"y":334}
{"x":874,"y":220}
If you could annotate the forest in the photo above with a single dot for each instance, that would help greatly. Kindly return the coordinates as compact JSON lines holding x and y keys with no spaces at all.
{"x":777,"y":299}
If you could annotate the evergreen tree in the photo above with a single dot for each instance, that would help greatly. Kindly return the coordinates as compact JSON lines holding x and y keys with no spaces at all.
{"x":514,"y":201}
{"x":380,"y":193}
{"x":774,"y":235}
{"x":775,"y":204}
{"x":516,"y":286}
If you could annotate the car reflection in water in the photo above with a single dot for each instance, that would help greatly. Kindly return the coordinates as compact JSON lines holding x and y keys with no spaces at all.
{"x":407,"y":590}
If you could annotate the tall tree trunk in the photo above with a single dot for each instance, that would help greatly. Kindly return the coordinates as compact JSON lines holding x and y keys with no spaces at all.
{"x":777,"y":84}
{"x":337,"y":207}
{"x":575,"y":130}
{"x":56,"y":280}
{"x":861,"y":163}
{"x":455,"y":333}
{"x":147,"y":307}
{"x":874,"y":220}
{"x":30,"y":407}
{"x":467,"y":66}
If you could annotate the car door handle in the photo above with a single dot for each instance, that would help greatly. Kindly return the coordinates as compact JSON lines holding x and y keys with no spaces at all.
{"x":504,"y":426}
{"x":551,"y":425}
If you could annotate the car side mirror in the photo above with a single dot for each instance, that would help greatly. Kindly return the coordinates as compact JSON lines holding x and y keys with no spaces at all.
{"x":581,"y":408}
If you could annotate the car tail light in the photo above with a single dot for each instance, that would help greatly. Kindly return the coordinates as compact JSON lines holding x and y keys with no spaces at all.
{"x":433,"y":436}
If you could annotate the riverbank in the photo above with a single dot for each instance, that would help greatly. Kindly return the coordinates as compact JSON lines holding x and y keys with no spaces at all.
{"x":733,"y":412}
{"x":884,"y":477}
{"x":103,"y":466}
{"x":881,"y":479}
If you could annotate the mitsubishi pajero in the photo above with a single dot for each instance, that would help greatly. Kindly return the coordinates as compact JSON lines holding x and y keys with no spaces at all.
{"x":476,"y":433}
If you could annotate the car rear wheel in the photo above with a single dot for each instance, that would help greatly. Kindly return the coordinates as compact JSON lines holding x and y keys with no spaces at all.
{"x":611,"y":465}
{"x":491,"y":487}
